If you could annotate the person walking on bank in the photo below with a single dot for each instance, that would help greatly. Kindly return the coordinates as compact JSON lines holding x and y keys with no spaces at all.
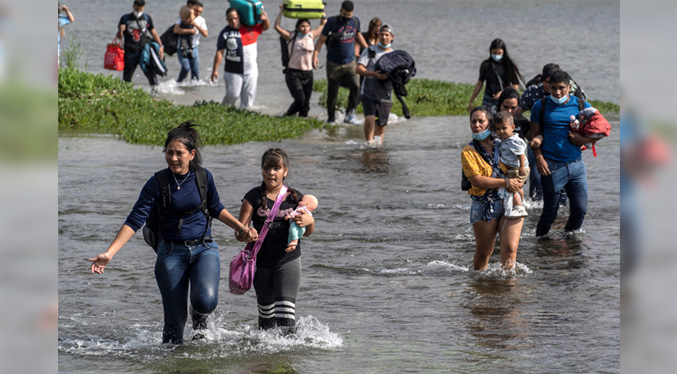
{"x":136,"y":28}
{"x":499,"y":71}
{"x":299,"y":72}
{"x":238,"y":43}
{"x":190,"y":62}
{"x":343,"y":38}
{"x":377,"y":89}
{"x":187,"y":257}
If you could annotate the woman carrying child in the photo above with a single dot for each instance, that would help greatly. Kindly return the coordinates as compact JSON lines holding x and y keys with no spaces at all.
{"x":278,"y":272}
{"x":480,"y":166}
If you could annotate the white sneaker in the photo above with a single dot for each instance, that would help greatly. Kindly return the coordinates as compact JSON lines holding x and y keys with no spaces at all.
{"x":378,"y":140}
{"x":351,"y":119}
{"x":519,"y":211}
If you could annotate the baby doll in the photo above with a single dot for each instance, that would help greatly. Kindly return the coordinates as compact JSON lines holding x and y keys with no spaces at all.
{"x":307,"y":204}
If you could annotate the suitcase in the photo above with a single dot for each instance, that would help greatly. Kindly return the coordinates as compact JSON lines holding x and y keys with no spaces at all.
{"x":249,"y":11}
{"x":309,"y":9}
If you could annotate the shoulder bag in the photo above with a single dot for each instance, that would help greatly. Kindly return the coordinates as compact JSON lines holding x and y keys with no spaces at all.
{"x":243,"y":265}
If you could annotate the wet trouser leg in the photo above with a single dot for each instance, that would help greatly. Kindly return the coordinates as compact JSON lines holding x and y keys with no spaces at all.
{"x":333,"y":82}
{"x":569,"y":177}
{"x":276,"y":292}
{"x":177,"y":268}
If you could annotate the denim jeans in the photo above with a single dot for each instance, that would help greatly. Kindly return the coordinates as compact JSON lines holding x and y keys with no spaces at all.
{"x":300,"y":84}
{"x":570,"y":177}
{"x":178,"y":266}
{"x":535,"y":188}
{"x":189,"y":65}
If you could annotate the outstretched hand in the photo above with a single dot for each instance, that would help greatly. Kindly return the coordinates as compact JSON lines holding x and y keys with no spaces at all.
{"x":99,"y":263}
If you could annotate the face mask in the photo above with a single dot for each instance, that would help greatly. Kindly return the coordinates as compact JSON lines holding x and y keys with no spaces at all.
{"x":559,"y":101}
{"x":137,"y":14}
{"x":298,"y":33}
{"x":496,"y":58}
{"x":481,"y":135}
{"x":384,"y":46}
{"x":344,"y":19}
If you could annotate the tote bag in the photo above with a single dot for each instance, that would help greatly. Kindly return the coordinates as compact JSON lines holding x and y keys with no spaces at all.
{"x":114,"y":59}
{"x":243,"y":265}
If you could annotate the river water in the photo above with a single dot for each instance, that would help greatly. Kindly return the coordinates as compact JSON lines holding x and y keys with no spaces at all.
{"x":387,"y":282}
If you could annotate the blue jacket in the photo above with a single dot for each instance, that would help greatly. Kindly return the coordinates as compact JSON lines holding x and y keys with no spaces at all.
{"x":150,"y":59}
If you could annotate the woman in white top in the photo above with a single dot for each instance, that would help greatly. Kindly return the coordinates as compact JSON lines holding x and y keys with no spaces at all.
{"x":299,"y":71}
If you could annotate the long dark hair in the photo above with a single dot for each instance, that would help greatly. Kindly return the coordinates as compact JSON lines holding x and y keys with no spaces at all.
{"x":512,"y":71}
{"x":188,"y":135}
{"x":374,"y":26}
{"x":271,"y":158}
{"x":508,"y":93}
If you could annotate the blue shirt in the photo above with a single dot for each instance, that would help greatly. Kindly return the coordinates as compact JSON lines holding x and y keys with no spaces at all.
{"x":556,"y":144}
{"x":185,"y":199}
{"x":341,"y":47}
{"x":63,"y":21}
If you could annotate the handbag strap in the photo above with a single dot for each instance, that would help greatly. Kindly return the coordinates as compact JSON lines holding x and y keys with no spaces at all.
{"x":266,"y":225}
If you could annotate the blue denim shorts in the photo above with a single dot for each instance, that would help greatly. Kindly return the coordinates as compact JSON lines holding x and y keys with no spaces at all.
{"x":477,"y":210}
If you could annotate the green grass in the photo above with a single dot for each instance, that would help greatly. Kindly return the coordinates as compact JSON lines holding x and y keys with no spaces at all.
{"x":94,"y":103}
{"x":435,"y":98}
{"x":97,"y":103}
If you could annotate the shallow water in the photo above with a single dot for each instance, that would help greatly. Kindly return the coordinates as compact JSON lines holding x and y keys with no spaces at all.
{"x":387,"y":282}
{"x":387,"y":285}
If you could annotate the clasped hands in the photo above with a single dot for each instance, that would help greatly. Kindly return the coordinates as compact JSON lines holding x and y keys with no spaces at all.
{"x":249,"y":234}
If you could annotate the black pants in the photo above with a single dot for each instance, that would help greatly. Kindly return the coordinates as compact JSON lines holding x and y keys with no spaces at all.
{"x":300,"y":84}
{"x":131,"y":61}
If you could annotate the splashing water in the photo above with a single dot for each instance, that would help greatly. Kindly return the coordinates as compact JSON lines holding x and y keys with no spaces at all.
{"x":219,"y":342}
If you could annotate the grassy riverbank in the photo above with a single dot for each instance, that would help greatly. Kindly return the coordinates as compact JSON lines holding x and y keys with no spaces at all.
{"x":101,"y":104}
{"x":436,"y":98}
{"x":97,"y":103}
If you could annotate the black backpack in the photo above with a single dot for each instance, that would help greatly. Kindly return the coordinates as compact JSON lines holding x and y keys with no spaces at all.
{"x":151,"y":230}
{"x":287,"y":49}
{"x":170,"y":40}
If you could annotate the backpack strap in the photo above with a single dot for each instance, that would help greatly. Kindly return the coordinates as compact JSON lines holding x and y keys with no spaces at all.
{"x":166,"y":197}
{"x":201,"y":180}
{"x":162,"y":177}
{"x":541,"y":115}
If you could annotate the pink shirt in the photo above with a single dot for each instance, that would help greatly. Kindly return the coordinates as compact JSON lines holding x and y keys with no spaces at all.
{"x":302,"y":54}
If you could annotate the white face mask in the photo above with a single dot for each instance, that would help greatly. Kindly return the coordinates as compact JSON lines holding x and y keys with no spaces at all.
{"x":497,"y":58}
{"x":137,"y":14}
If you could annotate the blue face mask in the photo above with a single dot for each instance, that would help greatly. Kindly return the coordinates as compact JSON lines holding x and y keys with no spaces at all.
{"x":384,"y":46}
{"x":496,"y":58}
{"x":301,"y":35}
{"x":481,"y":135}
{"x":559,"y":101}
